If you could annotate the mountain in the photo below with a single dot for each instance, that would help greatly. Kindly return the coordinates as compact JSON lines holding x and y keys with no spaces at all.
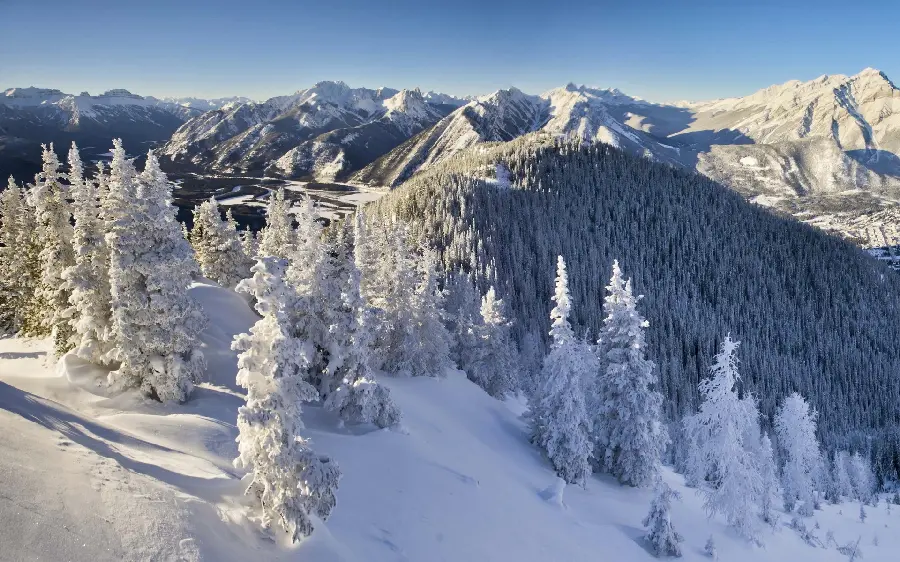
{"x":207,"y":104}
{"x":825,"y":150}
{"x":31,"y":116}
{"x":326,"y":131}
{"x":813,"y":312}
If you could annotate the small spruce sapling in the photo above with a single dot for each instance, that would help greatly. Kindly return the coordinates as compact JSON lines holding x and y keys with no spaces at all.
{"x":663,"y":538}
{"x":710,"y":548}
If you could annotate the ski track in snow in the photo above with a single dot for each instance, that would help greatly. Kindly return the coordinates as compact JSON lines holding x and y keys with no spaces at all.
{"x":90,"y":476}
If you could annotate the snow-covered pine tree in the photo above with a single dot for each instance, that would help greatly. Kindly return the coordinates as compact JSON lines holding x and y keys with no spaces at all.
{"x":630,"y":436}
{"x":462,"y":315}
{"x":249,"y":245}
{"x":841,"y":483}
{"x":358,"y":398}
{"x":795,"y":428}
{"x":492,"y":361}
{"x":156,"y":322}
{"x":663,"y":538}
{"x":217,"y":246}
{"x":862,"y":477}
{"x":290,"y":480}
{"x":87,"y":280}
{"x":278,"y":238}
{"x":389,"y":282}
{"x":710,"y":548}
{"x":16,"y":283}
{"x":771,"y":487}
{"x":559,"y":419}
{"x":719,"y":451}
{"x":425,"y":347}
{"x":531,"y":357}
{"x":53,"y":231}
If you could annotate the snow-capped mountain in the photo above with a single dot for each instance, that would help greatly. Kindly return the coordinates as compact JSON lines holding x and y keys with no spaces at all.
{"x":338,"y":152}
{"x":70,"y":109}
{"x":570,"y":111}
{"x":325,"y":131}
{"x":207,"y":104}
{"x":501,"y":116}
{"x":824,"y":148}
{"x":30,"y":116}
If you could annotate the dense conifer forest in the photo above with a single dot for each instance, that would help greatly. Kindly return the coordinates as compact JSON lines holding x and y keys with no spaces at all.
{"x":815,"y":314}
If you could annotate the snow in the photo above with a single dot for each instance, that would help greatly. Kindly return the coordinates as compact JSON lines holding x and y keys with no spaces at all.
{"x":90,"y":476}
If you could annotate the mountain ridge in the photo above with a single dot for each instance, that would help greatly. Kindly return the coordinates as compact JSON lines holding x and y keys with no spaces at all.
{"x":827,"y":148}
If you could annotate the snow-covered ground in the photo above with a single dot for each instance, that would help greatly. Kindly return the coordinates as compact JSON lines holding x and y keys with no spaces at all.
{"x":85,"y":475}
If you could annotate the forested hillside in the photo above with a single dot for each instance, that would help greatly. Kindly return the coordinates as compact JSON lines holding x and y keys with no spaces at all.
{"x":815,"y":314}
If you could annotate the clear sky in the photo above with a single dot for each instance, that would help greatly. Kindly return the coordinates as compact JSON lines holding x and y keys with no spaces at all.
{"x":659,"y":50}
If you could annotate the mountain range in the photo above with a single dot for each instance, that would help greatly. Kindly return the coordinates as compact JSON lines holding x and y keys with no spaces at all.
{"x":825,"y":151}
{"x":325,"y":132}
{"x":31,"y":116}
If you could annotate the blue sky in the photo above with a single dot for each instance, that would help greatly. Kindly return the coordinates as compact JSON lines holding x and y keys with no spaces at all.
{"x":260,"y":48}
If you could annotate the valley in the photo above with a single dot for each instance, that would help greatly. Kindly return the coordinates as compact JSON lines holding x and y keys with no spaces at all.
{"x":247,"y":196}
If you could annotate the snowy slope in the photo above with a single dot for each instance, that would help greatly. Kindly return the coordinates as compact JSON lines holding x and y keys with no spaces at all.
{"x":88,"y":476}
{"x":255,"y":136}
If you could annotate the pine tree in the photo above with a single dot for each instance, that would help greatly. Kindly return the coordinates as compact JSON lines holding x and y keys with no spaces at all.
{"x":842,"y":485}
{"x":491,"y":361}
{"x":795,"y":427}
{"x":53,"y":231}
{"x":663,"y":538}
{"x":15,"y":239}
{"x":249,"y":245}
{"x":389,"y":283}
{"x":217,"y":246}
{"x":462,"y":315}
{"x":862,"y":478}
{"x":358,"y":398}
{"x":290,"y":480}
{"x":630,"y":436}
{"x":156,"y":322}
{"x":771,"y":487}
{"x":710,"y":548}
{"x":87,"y":280}
{"x":417,"y":342}
{"x":559,"y":419}
{"x":719,"y":447}
{"x":278,"y":238}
